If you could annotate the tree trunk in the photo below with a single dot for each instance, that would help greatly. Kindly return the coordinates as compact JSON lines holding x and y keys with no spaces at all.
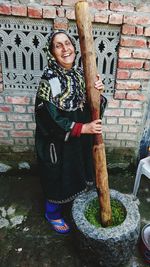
{"x":84,"y":26}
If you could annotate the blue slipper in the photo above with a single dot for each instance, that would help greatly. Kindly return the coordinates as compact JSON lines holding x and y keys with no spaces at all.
{"x":55,"y":225}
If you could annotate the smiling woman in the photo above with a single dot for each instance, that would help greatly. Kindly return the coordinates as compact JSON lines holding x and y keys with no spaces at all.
{"x":63,"y":50}
{"x":64,"y":130}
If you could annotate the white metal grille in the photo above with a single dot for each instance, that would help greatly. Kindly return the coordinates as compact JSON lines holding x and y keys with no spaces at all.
{"x":23,"y":59}
{"x":22,"y":54}
{"x":106,"y":40}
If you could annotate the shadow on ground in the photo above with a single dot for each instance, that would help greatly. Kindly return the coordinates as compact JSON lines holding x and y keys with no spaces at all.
{"x":27,"y":240}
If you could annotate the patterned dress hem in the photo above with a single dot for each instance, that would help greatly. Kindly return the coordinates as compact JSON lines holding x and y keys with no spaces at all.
{"x":68,"y":199}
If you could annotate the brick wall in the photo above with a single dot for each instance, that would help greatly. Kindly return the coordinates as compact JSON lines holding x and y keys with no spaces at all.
{"x":123,"y":121}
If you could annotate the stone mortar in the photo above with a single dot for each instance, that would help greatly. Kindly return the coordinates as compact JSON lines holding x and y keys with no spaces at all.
{"x":111,"y":246}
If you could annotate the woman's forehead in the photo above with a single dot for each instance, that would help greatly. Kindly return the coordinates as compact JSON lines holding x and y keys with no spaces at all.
{"x":60,"y":37}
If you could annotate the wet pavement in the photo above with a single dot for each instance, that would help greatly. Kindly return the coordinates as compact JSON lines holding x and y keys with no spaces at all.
{"x":27,"y":240}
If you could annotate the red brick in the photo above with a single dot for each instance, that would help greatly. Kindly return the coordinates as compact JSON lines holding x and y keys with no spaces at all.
{"x":133,"y":41}
{"x":5,"y":109}
{"x":134,"y":96}
{"x":136,"y":113}
{"x":19,"y":10}
{"x":129,"y":121}
{"x":128,"y":85}
{"x":31,"y":125}
{"x":30,"y":109}
{"x":130,"y":64}
{"x":114,"y":112}
{"x":51,"y":2}
{"x":147,"y":65}
{"x":6,"y":142}
{"x":140,"y":75}
{"x":143,"y":7}
{"x":35,"y":11}
{"x":19,"y":109}
{"x":147,"y":31}
{"x":69,"y":2}
{"x":6,"y":125}
{"x":126,"y":136}
{"x":123,"y":74}
{"x":115,"y":19}
{"x":111,"y":120}
{"x":20,"y":125}
{"x":131,"y":104}
{"x":113,"y":103}
{"x":5,"y":9}
{"x":2,"y":117}
{"x":18,"y":100}
{"x":141,"y":53}
{"x":133,"y":129}
{"x":3,"y":134}
{"x":127,"y":113}
{"x":70,"y":13}
{"x":21,"y":133}
{"x":49,"y":12}
{"x":134,"y":20}
{"x":20,"y":117}
{"x":128,"y":29}
{"x":139,"y":30}
{"x":112,"y":128}
{"x":100,"y":5}
{"x":60,"y":12}
{"x":101,"y":17}
{"x":119,"y":95}
{"x":60,"y":23}
{"x":125,"y":52}
{"x":116,"y":6}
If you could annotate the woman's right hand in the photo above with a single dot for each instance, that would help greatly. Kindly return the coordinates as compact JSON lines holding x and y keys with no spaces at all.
{"x":94,"y":127}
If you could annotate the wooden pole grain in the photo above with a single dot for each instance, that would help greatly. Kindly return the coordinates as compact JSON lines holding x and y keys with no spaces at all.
{"x":84,"y":26}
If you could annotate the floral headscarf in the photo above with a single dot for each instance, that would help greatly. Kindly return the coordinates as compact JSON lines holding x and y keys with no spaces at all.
{"x":64,"y":88}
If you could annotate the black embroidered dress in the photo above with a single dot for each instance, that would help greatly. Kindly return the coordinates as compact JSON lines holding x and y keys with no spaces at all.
{"x":65,"y":162}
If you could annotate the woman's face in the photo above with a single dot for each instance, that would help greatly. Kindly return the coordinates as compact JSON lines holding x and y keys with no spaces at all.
{"x":63,"y":51}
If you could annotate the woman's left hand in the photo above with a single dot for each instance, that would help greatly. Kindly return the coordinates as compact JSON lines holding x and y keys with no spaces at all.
{"x":98,"y":83}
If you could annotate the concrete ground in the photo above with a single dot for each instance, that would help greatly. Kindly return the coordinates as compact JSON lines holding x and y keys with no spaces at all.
{"x":27,"y":240}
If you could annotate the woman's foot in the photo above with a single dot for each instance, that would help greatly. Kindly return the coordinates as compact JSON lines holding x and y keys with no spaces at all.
{"x":59,"y":225}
